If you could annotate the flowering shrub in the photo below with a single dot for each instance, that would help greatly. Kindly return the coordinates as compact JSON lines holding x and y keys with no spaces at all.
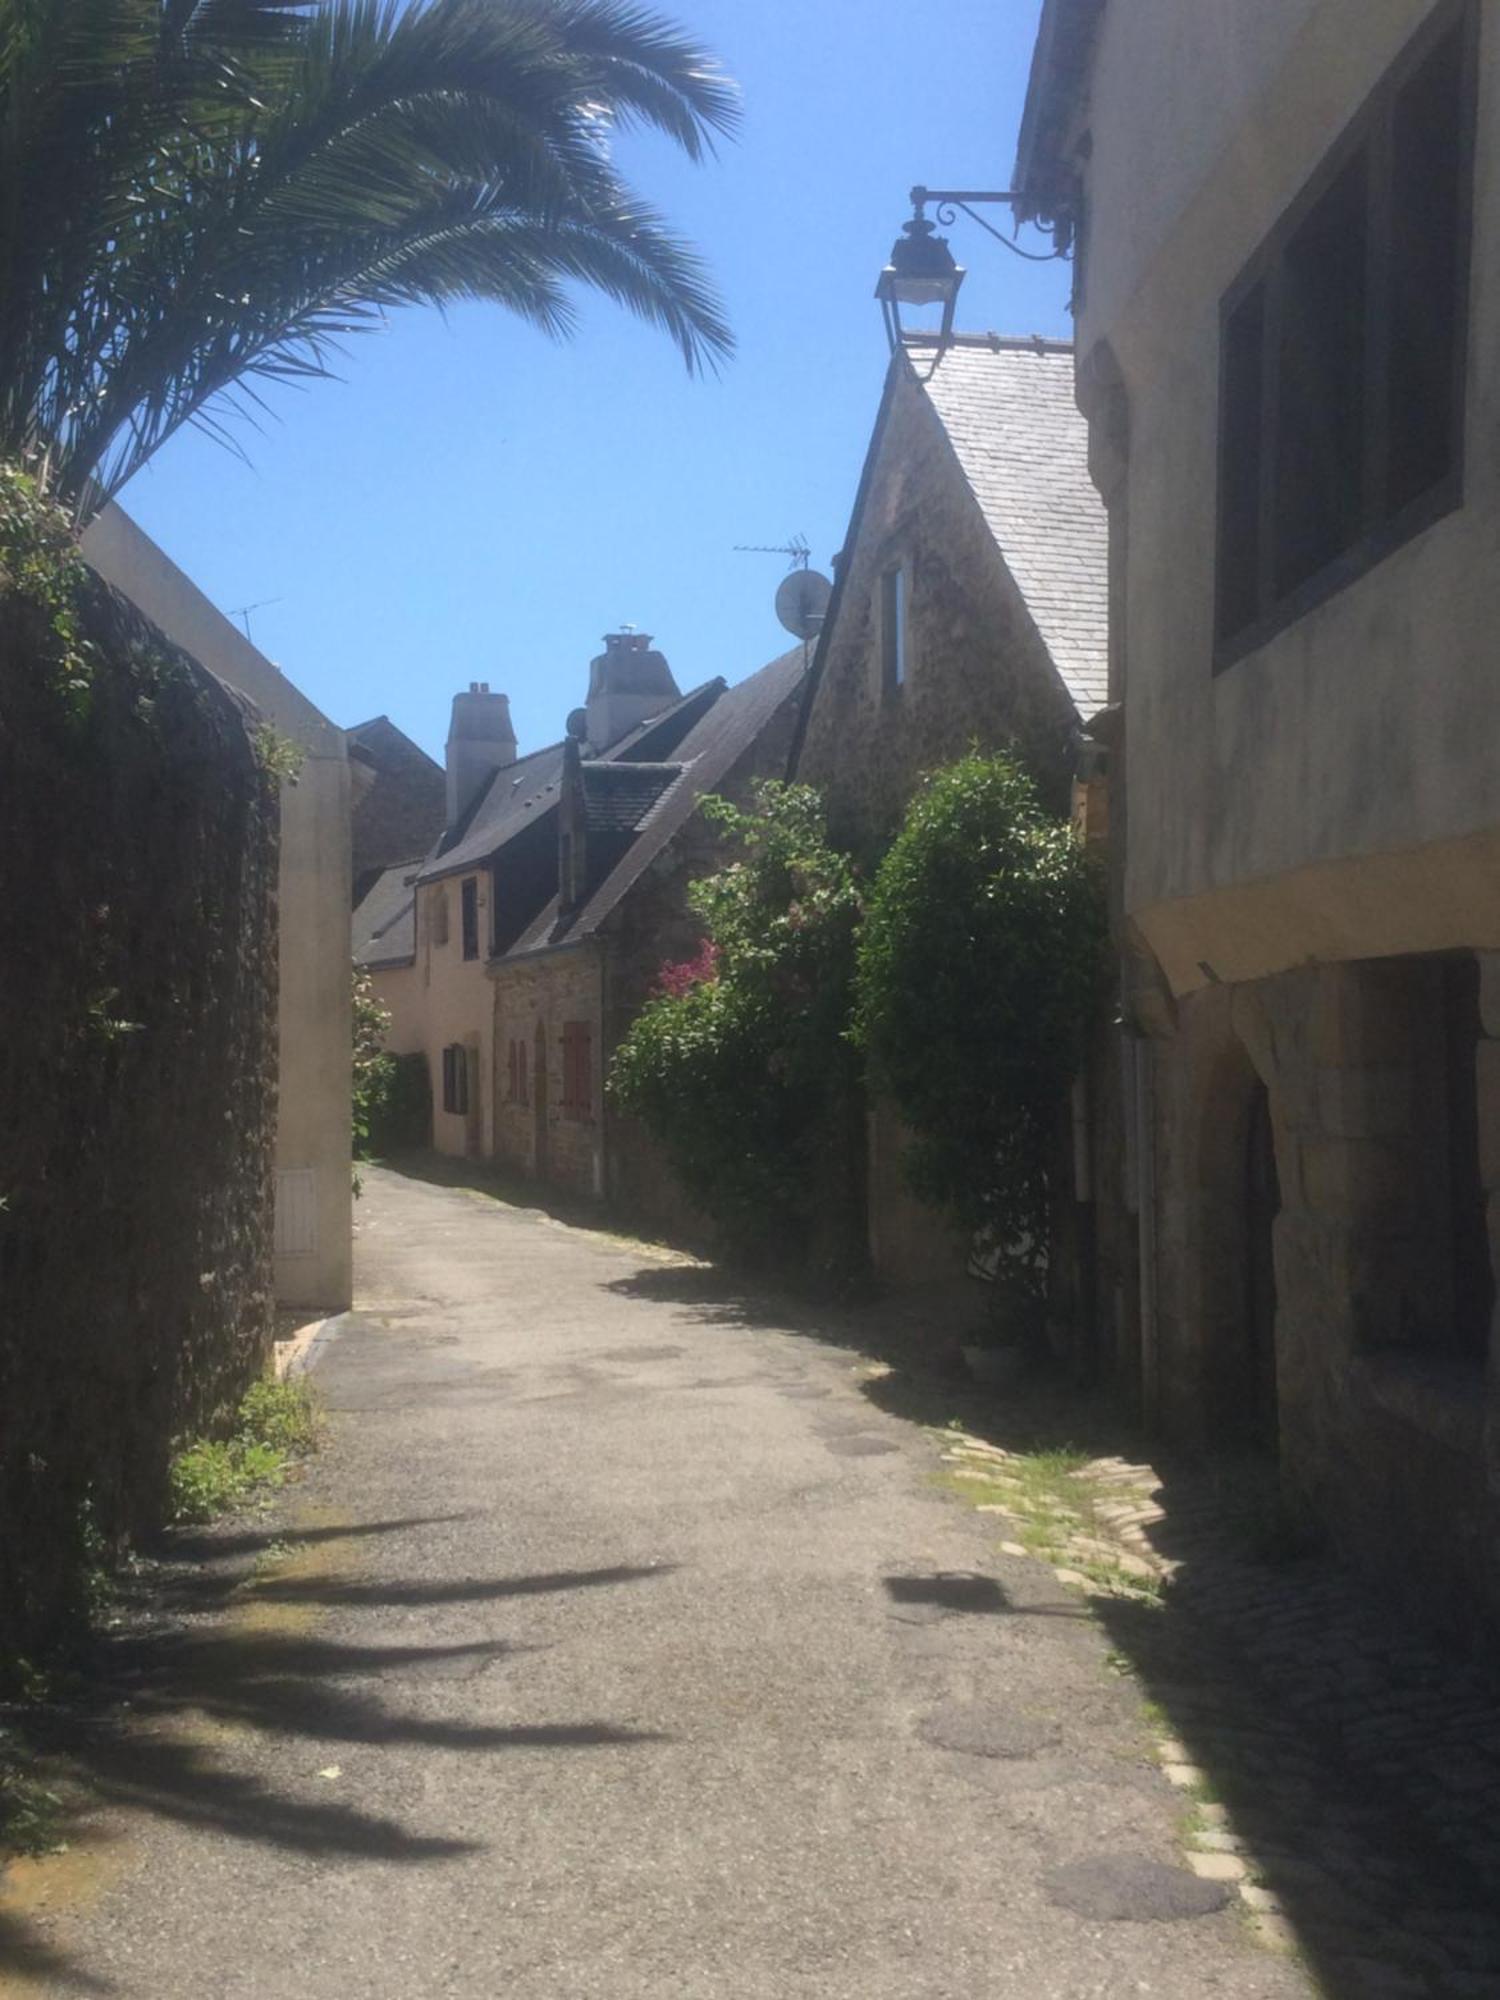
{"x":737,"y":1062}
{"x":981,"y":963}
{"x":700,"y":970}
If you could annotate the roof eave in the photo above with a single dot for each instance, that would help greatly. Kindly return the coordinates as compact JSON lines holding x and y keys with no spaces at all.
{"x":1055,"y":93}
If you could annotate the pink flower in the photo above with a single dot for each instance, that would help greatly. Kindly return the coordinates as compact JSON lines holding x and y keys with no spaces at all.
{"x":675,"y":980}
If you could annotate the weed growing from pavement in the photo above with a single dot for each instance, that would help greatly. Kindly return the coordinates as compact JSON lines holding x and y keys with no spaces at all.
{"x":1054,"y":1503}
{"x":277,"y":1422}
{"x":30,"y":1814}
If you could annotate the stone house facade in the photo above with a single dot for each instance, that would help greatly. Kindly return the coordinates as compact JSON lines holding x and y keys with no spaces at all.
{"x":517,"y":953}
{"x":968,"y":609}
{"x":1289,"y":355}
{"x":314,"y":1199}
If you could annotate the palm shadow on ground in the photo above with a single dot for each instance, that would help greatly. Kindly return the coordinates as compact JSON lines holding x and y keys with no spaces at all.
{"x":180,"y":1700}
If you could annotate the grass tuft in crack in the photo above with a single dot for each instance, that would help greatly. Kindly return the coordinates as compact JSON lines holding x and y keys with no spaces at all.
{"x":276,"y":1423}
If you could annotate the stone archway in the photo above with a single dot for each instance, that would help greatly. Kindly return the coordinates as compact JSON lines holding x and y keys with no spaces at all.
{"x":1238,"y":1199}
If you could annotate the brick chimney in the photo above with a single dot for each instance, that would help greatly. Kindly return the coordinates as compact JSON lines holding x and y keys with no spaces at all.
{"x":481,"y":741}
{"x":628,"y":683}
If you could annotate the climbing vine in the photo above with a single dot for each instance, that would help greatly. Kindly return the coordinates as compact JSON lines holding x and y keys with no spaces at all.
{"x":41,"y":568}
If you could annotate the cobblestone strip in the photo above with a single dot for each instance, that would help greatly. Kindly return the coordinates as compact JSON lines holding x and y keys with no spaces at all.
{"x":1342,"y":1774}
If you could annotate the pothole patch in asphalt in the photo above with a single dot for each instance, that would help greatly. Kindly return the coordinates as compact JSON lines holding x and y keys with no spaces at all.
{"x":978,"y":1730}
{"x":1130,"y":1888}
{"x":860,"y":1447}
{"x":640,"y":1353}
{"x":804,"y":1392}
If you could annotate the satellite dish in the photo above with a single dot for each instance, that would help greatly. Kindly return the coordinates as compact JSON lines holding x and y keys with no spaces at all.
{"x":802,"y":601}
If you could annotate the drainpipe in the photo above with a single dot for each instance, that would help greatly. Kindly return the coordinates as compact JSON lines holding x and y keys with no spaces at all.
{"x":1143,"y":1071}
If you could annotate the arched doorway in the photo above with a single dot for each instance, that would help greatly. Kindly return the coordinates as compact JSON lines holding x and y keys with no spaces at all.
{"x":539,"y":1103}
{"x":1237,"y":1201}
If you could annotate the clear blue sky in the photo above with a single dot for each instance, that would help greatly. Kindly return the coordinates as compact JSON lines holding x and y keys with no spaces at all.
{"x":472,"y":502}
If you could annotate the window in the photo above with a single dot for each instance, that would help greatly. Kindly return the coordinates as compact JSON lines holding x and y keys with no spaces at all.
{"x":578,"y":1070}
{"x":893,"y":629}
{"x":470,"y":899}
{"x":437,"y":917}
{"x":456,"y":1079}
{"x":516,"y":1063}
{"x":1342,"y":351}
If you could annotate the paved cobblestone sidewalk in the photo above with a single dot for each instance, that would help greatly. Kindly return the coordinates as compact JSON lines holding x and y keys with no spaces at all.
{"x":1340,"y":1770}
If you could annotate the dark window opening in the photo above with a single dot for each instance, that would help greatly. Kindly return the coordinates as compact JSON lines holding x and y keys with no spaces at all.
{"x":1342,"y":350}
{"x":1320,"y":383}
{"x":893,"y":629}
{"x":470,"y":896}
{"x":456,"y":1079}
{"x":1473,"y":1278}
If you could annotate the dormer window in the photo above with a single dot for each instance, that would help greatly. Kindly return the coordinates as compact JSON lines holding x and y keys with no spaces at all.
{"x":893,"y":616}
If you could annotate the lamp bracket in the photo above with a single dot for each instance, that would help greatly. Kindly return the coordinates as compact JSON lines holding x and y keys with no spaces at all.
{"x":950,"y":202}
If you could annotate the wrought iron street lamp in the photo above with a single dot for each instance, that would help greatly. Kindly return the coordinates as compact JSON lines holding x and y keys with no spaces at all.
{"x":923,"y":271}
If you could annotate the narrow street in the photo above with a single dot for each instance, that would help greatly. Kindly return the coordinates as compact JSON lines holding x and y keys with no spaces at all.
{"x":619,"y":1645}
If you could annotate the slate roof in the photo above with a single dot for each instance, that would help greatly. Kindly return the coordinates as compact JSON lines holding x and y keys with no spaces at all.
{"x":523,"y":791}
{"x":514,"y":797}
{"x":384,"y":923}
{"x":711,"y":748}
{"x":618,"y":796}
{"x":1007,"y":407}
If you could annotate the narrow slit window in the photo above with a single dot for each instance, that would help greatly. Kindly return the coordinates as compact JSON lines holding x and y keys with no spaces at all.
{"x":893,"y":628}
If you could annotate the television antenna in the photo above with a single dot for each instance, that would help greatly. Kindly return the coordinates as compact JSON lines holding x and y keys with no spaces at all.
{"x":242,"y":612}
{"x":795,"y":548}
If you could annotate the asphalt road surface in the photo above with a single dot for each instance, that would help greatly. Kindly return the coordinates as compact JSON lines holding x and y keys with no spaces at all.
{"x":618,"y":1644}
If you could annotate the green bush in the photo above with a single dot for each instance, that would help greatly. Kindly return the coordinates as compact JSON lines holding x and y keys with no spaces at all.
{"x":398,"y":1113}
{"x":392,"y":1096}
{"x":739,"y":1063}
{"x":980,"y":968}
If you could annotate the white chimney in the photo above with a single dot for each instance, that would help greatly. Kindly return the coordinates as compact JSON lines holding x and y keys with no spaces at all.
{"x":628,"y":683}
{"x":481,"y":741}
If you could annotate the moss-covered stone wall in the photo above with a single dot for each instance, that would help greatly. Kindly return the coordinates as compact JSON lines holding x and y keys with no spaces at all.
{"x":138,"y":850}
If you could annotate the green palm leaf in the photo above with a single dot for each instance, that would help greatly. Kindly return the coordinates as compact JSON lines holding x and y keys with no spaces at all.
{"x":199,"y":194}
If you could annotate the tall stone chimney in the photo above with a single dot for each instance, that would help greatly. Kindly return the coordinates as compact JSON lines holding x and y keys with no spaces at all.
{"x":628,"y":683}
{"x":481,"y":741}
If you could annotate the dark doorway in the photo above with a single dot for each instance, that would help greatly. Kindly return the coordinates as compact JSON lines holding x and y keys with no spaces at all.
{"x":1262,"y":1206}
{"x":1473,"y":1279}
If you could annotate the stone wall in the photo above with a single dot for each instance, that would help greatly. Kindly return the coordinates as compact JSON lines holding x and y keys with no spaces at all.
{"x":1387,"y":1406}
{"x":977,"y":674}
{"x":977,"y":670}
{"x":137,"y":1088}
{"x":535,"y":999}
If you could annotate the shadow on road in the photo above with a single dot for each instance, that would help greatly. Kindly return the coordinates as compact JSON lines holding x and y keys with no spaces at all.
{"x":190,"y":1721}
{"x":1353,"y":1768}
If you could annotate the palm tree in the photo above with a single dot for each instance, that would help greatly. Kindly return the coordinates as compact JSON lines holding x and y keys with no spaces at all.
{"x":199,"y":196}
